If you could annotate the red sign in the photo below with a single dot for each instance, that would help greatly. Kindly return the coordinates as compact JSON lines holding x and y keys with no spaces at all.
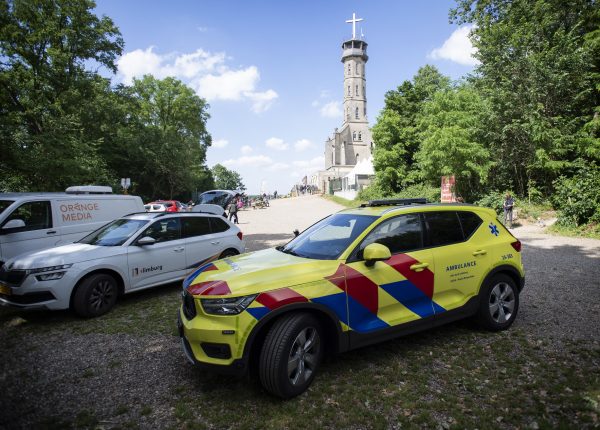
{"x":448,"y":195}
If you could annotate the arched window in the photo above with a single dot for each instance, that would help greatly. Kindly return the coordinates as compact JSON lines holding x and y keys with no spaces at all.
{"x":359,"y":135}
{"x":348,"y":89}
{"x":357,"y":90}
{"x":349,"y":69}
{"x":353,"y":135}
{"x":356,"y":113}
{"x":365,"y":112}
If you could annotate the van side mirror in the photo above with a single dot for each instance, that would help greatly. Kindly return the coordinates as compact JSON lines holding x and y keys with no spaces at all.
{"x":376,"y":252}
{"x":146,"y":240}
{"x":296,"y":233}
{"x":14,"y":223}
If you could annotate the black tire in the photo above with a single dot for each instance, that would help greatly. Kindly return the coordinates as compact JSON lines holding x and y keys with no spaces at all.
{"x":228,"y":253}
{"x":95,"y":295}
{"x":296,"y":337}
{"x":499,"y":303}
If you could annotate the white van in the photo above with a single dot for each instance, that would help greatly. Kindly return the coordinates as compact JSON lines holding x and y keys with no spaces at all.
{"x":34,"y":221}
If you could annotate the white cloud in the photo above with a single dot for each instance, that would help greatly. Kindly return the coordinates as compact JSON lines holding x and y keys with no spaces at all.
{"x":303,"y":144}
{"x":207,"y":73}
{"x":331,"y":110}
{"x":246,"y":149}
{"x":251,"y":161}
{"x":276,"y":144}
{"x":220,"y":143}
{"x":457,"y":48}
{"x":277,"y":167}
{"x":312,"y":164}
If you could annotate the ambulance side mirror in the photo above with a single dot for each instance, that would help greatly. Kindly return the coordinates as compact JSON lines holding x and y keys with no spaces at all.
{"x":376,"y":252}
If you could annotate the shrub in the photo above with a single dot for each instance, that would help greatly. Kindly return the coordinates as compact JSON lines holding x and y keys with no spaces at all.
{"x":493,"y":200}
{"x":577,"y":198}
{"x":432,"y":194}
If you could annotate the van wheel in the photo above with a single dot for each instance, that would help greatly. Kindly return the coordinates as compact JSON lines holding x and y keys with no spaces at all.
{"x":291,"y":354}
{"x":499,"y":303}
{"x":96,"y":295}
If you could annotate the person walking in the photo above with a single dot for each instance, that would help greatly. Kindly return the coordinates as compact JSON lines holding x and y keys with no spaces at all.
{"x":508,"y":204}
{"x":232,"y":209}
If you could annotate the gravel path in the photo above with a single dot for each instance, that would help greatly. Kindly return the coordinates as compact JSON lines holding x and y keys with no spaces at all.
{"x":56,"y":377}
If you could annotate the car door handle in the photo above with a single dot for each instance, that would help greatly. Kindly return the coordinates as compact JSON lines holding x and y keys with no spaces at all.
{"x":180,"y":249}
{"x":480,"y":252}
{"x":419,"y":267}
{"x":51,"y":232}
{"x":216,"y":242}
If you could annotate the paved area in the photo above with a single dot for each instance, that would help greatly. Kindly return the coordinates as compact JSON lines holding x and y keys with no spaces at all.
{"x":274,"y":225}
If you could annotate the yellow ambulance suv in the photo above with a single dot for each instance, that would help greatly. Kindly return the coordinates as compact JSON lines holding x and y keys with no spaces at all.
{"x":360,"y":276}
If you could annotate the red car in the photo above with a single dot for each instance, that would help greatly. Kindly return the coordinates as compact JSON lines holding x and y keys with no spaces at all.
{"x":163,"y":206}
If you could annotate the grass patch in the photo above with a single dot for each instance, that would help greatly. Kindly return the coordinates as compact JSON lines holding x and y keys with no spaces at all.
{"x":591,"y":231}
{"x":341,"y":201}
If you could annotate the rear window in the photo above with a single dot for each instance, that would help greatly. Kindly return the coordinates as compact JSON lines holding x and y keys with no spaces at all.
{"x":470,"y":223}
{"x":443,"y":228}
{"x":218,"y":225}
{"x":195,"y":226}
{"x":168,"y":204}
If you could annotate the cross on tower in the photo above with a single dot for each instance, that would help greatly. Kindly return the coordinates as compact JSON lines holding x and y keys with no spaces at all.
{"x":354,"y":20}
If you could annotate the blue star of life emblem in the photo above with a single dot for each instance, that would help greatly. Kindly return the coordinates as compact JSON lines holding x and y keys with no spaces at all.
{"x":493,"y":229}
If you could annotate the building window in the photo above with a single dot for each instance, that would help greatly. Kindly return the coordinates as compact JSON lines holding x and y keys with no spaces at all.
{"x":353,"y":135}
{"x":349,"y":90}
{"x":364,"y":91}
{"x":348,"y":113}
{"x":349,"y":69}
{"x":359,"y":135}
{"x":365,"y":111}
{"x":357,"y":69}
{"x":356,"y":113}
{"x":357,"y":90}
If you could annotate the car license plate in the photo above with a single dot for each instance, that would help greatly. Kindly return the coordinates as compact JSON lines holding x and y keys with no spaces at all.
{"x":5,"y":289}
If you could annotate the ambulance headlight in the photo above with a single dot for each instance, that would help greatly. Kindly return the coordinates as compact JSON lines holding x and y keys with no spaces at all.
{"x":227,"y":306}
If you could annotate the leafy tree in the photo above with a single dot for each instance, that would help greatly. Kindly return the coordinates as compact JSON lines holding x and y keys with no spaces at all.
{"x":396,"y":133}
{"x":226,"y":179}
{"x":45,"y":90}
{"x":538,"y":72}
{"x":161,"y":138}
{"x":451,"y":124}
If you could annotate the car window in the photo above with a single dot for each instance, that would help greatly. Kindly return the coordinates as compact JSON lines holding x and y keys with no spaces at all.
{"x":327,"y":239}
{"x":217,"y":225}
{"x":4,"y":204}
{"x":35,"y":215}
{"x":164,"y":230}
{"x":115,"y":233}
{"x":215,"y":198}
{"x":157,"y":207}
{"x":168,"y":205}
{"x":443,"y":228}
{"x":470,"y":222}
{"x":195,"y":226}
{"x":400,"y":234}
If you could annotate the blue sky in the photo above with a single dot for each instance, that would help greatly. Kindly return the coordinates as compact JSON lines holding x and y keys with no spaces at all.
{"x":271,"y":70}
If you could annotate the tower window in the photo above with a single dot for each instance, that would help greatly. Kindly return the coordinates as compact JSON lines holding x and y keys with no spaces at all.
{"x":349,"y":90}
{"x":356,"y":113}
{"x":349,"y":68}
{"x":353,"y":135}
{"x":357,"y":68}
{"x":359,"y":135}
{"x":357,"y":90}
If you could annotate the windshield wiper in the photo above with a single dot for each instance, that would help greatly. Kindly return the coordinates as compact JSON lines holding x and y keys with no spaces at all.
{"x":289,"y":251}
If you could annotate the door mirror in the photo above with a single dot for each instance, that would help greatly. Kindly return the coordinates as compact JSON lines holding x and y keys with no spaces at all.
{"x":146,"y":240}
{"x":376,"y":252}
{"x":14,"y":223}
{"x":296,"y":233}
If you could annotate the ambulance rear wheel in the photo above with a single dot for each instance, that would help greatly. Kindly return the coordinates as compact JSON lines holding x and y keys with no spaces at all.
{"x":95,"y":295}
{"x":291,"y":355}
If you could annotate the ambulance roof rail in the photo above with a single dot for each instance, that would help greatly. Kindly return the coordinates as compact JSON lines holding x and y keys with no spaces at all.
{"x":394,"y":202}
{"x":89,"y":189}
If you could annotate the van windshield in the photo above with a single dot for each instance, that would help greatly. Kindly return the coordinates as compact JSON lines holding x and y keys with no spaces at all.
{"x":4,"y":204}
{"x":114,"y":234}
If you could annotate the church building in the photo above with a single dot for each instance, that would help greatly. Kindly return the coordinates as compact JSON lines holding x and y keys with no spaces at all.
{"x":348,"y":152}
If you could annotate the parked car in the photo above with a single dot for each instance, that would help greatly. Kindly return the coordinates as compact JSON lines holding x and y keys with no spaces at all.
{"x":164,"y":206}
{"x":214,"y":201}
{"x":34,"y":221}
{"x":132,"y":253}
{"x":357,"y":277}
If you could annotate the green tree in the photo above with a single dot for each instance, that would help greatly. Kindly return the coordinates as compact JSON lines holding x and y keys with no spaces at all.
{"x":539,"y":76}
{"x":226,"y":179}
{"x":396,"y":132}
{"x":46,"y":92}
{"x":160,"y":139}
{"x":451,"y":124}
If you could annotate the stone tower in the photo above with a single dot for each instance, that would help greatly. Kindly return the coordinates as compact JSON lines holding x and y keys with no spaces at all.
{"x":352,"y":142}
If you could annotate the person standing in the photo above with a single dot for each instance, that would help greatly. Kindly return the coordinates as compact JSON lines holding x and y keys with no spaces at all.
{"x":232,"y":209}
{"x":509,"y":202}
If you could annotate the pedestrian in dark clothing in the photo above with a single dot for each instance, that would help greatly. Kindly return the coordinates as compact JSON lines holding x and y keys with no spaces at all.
{"x":508,"y":204}
{"x":232,"y":208}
